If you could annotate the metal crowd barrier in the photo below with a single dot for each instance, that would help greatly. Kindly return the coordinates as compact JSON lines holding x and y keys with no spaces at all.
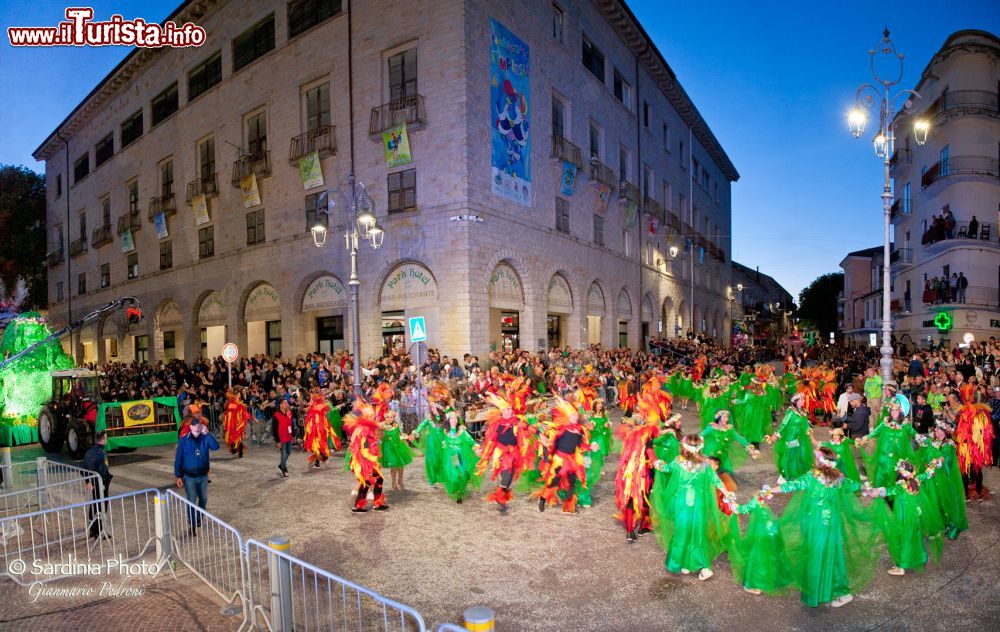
{"x":120,"y":528}
{"x":207,"y":546}
{"x":35,"y":485}
{"x":287,"y":593}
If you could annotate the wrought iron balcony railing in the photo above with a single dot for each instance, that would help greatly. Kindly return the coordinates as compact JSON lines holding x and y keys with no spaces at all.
{"x":102,"y":235}
{"x":602,"y":174}
{"x":410,"y":110}
{"x":322,"y":140}
{"x":564,"y":150}
{"x":258,"y":163}
{"x":961,"y":166}
{"x":78,"y":246}
{"x":207,"y":186}
{"x":129,"y":221}
{"x":159,"y":204}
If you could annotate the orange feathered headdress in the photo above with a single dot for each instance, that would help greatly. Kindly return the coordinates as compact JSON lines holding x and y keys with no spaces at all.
{"x":380,"y":400}
{"x":564,"y":413}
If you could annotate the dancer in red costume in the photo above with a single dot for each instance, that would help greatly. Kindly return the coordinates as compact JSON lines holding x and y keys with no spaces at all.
{"x":974,"y":440}
{"x":564,"y":464}
{"x":634,"y":478}
{"x":507,"y":447}
{"x":365,"y":434}
{"x":234,"y":422}
{"x":317,"y":430}
{"x":627,"y":395}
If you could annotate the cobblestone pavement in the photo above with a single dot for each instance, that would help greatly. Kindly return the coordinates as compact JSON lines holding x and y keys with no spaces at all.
{"x":549,"y":571}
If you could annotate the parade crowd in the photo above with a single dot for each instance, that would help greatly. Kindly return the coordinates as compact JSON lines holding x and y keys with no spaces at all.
{"x":894,"y":466}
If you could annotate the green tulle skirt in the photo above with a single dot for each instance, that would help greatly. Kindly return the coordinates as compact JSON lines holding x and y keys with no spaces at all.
{"x":758,"y":556}
{"x":459,"y":462}
{"x":430,"y":440}
{"x":687,"y":520}
{"x":891,"y":446}
{"x":845,"y":459}
{"x":711,"y":405}
{"x":752,"y":418}
{"x":793,"y":454}
{"x":912,"y":520}
{"x":395,"y":452}
{"x":947,"y":488}
{"x":594,"y":465}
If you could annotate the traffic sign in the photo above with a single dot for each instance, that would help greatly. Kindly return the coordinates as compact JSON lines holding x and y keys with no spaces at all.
{"x":230,"y":352}
{"x":418,"y":329}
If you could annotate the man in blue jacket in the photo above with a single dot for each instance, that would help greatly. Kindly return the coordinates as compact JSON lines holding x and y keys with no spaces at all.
{"x":191,"y":467}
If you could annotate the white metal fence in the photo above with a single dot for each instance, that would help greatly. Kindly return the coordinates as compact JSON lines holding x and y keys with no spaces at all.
{"x":53,"y":543}
{"x":42,"y":484}
{"x":287,"y":593}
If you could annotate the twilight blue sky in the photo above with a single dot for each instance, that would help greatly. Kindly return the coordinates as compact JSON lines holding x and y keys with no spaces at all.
{"x":773,"y":80}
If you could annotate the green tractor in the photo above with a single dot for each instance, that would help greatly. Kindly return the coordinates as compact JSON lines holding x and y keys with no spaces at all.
{"x":75,"y":413}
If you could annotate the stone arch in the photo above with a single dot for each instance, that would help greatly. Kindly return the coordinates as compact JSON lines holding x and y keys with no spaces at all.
{"x":559,"y":295}
{"x":320,"y":291}
{"x":399,"y":266}
{"x":505,"y":287}
{"x":623,"y":305}
{"x":682,"y":318}
{"x":516,"y":261}
{"x":646,"y":310}
{"x":258,"y":291}
{"x":669,"y":317}
{"x":202,"y":302}
{"x":210,"y":312}
{"x":596,"y":299}
{"x":169,"y":319}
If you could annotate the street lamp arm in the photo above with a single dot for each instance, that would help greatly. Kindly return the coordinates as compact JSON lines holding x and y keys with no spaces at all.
{"x":868,"y":100}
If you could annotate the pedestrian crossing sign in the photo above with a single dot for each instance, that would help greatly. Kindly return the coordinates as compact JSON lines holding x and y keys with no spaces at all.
{"x":418,"y":329}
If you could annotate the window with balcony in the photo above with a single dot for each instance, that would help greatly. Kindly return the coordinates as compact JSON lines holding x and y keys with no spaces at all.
{"x":106,"y":211}
{"x":562,"y":215}
{"x":206,"y":242}
{"x":206,"y":158}
{"x":593,"y":59}
{"x":599,"y":229}
{"x":132,"y":261}
{"x":166,"y":180}
{"x":623,"y":160}
{"x":165,"y":103}
{"x":81,"y":283}
{"x":402,"y":187}
{"x":83,"y":225}
{"x":318,"y":107}
{"x":906,"y":197}
{"x":256,"y":130}
{"x":133,"y":196}
{"x":253,"y":43}
{"x":558,"y":118}
{"x":81,"y":168}
{"x":205,"y":75}
{"x":166,"y":255}
{"x":131,"y":129}
{"x":105,"y":275}
{"x":557,"y":23}
{"x":255,"y":227}
{"x":403,"y":76}
{"x":104,"y":150}
{"x":595,"y":142}
{"x":305,"y":14}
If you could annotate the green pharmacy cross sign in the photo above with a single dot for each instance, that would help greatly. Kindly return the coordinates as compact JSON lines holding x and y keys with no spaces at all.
{"x":943,"y":321}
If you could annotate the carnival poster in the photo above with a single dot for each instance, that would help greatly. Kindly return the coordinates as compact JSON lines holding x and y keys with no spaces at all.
{"x":200,"y":204}
{"x":311,"y":171}
{"x":510,"y":144}
{"x":251,"y":196}
{"x":603,"y":198}
{"x":568,"y":178}
{"x":128,"y":245}
{"x":396,"y":143}
{"x":160,"y":222}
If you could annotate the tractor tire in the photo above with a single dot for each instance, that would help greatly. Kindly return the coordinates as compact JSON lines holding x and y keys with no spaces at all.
{"x":79,"y":438}
{"x":51,"y":431}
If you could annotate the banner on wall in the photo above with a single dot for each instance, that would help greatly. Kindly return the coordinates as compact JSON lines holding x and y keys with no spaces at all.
{"x":396,"y":144}
{"x":200,"y":205}
{"x":128,"y":245}
{"x":603,"y":193}
{"x":510,"y":145}
{"x":160,"y":223}
{"x":311,"y":171}
{"x":631,"y":215}
{"x":654,"y":224}
{"x":251,"y":196}
{"x":568,"y":178}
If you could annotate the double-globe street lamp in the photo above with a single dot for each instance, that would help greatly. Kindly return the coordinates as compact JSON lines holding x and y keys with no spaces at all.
{"x":362,"y":225}
{"x":879,"y":100}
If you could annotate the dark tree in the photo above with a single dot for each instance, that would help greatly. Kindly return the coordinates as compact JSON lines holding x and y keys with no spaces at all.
{"x":22,"y":231}
{"x":818,"y":301}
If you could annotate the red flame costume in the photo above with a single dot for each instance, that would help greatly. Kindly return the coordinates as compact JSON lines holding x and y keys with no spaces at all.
{"x":973,"y":435}
{"x":380,"y":400}
{"x":234,"y":423}
{"x":507,"y":447}
{"x":627,"y":396}
{"x":365,"y":432}
{"x":564,"y":464}
{"x":634,"y":478}
{"x":317,"y":431}
{"x":586,"y":393}
{"x":698,"y":371}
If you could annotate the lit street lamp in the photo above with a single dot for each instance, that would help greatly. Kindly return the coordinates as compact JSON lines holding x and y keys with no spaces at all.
{"x":884,"y":143}
{"x":361,"y":225}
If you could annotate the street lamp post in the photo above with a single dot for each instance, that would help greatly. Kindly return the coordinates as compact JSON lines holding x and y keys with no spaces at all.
{"x":361,"y":224}
{"x":870,"y":98}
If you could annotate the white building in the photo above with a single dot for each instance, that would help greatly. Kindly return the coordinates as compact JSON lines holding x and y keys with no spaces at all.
{"x":169,"y":126}
{"x":957,"y":172}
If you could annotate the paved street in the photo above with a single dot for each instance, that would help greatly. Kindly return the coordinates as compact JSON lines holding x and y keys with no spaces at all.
{"x":552,"y":571}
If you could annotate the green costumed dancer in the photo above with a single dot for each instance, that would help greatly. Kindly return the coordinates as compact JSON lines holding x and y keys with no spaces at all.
{"x":946,"y":486}
{"x":336,"y":425}
{"x":688,"y":521}
{"x":430,"y":438}
{"x":458,"y":460}
{"x":600,"y":433}
{"x":714,"y":397}
{"x":681,"y":385}
{"x":725,"y":444}
{"x":793,"y":450}
{"x":831,"y":539}
{"x":913,"y":517}
{"x":843,"y":447}
{"x":752,"y":412}
{"x":396,"y":454}
{"x":893,"y":442}
{"x":758,"y":556}
{"x":666,"y":448}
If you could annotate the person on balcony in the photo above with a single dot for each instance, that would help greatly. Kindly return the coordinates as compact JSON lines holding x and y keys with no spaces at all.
{"x":949,"y":224}
{"x":961,"y":285}
{"x":928,"y":296}
{"x":973,"y":228}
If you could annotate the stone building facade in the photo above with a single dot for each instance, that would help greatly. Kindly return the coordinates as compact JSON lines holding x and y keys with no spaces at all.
{"x":276,"y":81}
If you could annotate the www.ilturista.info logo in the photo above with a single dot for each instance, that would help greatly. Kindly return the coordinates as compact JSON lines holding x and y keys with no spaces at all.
{"x":79,"y":29}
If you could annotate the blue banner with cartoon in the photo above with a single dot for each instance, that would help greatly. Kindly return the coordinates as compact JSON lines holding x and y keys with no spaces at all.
{"x":510,"y":145}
